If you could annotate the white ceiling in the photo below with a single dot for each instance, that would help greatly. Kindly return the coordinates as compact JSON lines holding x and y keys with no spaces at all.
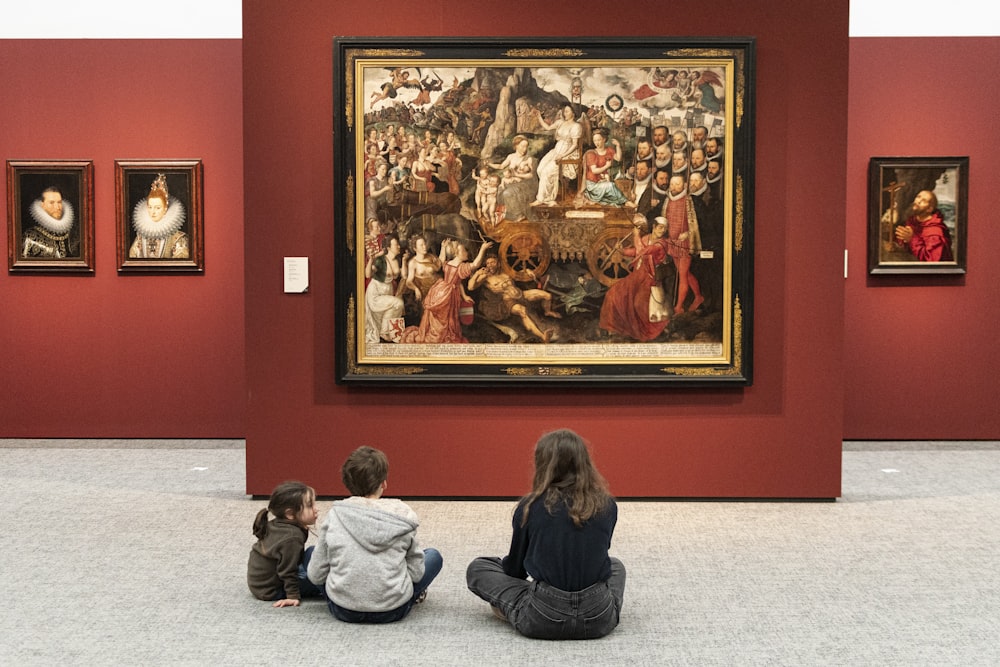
{"x":223,"y":19}
{"x":121,"y":19}
{"x":924,"y":18}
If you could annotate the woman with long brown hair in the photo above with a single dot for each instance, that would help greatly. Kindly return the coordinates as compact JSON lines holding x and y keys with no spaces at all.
{"x":558,"y":581}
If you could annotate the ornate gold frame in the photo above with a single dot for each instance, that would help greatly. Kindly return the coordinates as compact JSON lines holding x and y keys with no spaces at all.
{"x":371,"y":92}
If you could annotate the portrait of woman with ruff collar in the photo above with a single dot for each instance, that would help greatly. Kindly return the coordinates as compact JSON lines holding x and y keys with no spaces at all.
{"x":158,"y":221}
{"x":159,"y":216}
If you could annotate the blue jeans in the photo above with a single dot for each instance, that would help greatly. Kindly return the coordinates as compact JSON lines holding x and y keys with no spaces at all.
{"x":538,"y":610}
{"x":432,"y":566}
{"x":307,"y":589}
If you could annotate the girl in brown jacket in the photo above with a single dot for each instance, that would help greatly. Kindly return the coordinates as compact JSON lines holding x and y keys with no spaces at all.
{"x":276,"y":570}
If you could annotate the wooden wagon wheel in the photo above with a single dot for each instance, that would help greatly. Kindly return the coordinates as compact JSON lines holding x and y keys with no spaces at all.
{"x":605,"y":258}
{"x":524,"y":253}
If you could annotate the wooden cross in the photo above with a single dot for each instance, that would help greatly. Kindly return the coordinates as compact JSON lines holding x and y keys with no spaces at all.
{"x":892,"y":189}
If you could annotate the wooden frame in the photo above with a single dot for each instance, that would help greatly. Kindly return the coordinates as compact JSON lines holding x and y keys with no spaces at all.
{"x":50,"y":216}
{"x":154,"y":238}
{"x":543,"y":304}
{"x":917,"y":215}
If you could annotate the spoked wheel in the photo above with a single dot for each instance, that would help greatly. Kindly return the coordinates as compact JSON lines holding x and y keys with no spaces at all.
{"x":524,"y":254}
{"x":606,"y":259}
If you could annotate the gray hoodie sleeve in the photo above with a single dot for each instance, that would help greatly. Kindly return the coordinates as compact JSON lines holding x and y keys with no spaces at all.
{"x":415,"y":559}
{"x":319,"y":565}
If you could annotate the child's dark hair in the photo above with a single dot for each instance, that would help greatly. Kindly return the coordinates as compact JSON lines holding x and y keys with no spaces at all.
{"x":288,"y":496}
{"x":364,"y":471}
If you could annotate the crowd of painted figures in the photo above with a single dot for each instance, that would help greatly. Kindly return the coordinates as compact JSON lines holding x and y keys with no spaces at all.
{"x":667,"y":179}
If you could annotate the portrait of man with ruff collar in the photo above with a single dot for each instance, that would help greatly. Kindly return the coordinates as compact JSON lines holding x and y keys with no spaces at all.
{"x":159,"y":210}
{"x":50,"y":216}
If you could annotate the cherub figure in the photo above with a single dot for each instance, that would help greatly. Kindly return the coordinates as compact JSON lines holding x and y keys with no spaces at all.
{"x":399,"y":77}
{"x":487,"y":187}
{"x":517,"y":174}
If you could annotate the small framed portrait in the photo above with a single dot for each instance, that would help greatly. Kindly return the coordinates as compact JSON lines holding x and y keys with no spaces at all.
{"x":917,"y":215}
{"x":50,"y":216}
{"x":158,"y":209}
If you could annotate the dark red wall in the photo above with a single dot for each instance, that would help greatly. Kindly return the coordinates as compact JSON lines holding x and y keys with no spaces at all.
{"x":920,"y":359}
{"x":155,"y":356}
{"x":126,"y":356}
{"x":779,"y":438}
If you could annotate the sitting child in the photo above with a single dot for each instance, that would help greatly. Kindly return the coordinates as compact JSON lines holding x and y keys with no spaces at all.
{"x":276,"y":570}
{"x":367,"y":553}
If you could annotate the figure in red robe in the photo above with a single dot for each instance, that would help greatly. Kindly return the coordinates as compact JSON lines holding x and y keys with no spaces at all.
{"x":925,"y":234}
{"x":630,"y":306}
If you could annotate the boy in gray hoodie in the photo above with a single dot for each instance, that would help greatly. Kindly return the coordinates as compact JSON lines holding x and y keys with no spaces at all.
{"x":367,"y":554}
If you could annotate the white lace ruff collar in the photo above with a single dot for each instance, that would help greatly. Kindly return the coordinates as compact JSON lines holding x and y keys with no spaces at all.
{"x":170,"y":223}
{"x":50,"y":224}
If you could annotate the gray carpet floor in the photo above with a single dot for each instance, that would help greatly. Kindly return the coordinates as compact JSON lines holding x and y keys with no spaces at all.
{"x":134,"y":553}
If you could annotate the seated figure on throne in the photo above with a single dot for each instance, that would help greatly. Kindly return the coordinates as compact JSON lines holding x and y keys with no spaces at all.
{"x":597,"y":163}
{"x":568,"y":132}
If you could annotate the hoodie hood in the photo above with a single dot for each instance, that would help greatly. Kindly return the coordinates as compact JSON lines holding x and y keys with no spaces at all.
{"x":375,"y":524}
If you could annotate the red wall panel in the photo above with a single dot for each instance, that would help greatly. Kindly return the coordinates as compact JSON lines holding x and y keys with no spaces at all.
{"x":157,"y":356}
{"x":779,"y":438}
{"x":136,"y":356}
{"x":920,"y":363}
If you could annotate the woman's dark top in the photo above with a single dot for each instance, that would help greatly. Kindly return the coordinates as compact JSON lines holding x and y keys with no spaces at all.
{"x":552,"y":549}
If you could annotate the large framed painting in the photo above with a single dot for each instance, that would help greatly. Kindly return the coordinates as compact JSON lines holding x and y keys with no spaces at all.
{"x":531,"y":210}
{"x":50,"y":216}
{"x":917,"y":217}
{"x":159,"y":219}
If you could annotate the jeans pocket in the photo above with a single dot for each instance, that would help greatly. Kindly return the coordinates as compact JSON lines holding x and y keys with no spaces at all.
{"x":600,"y":619}
{"x":539,"y":621}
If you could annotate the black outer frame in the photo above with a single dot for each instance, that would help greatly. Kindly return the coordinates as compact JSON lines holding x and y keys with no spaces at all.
{"x":193,"y":171}
{"x":878,"y":268}
{"x":738,"y":373}
{"x":82,"y":172}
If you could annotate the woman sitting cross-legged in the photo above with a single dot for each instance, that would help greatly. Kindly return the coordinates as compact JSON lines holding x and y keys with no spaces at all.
{"x":558,"y":581}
